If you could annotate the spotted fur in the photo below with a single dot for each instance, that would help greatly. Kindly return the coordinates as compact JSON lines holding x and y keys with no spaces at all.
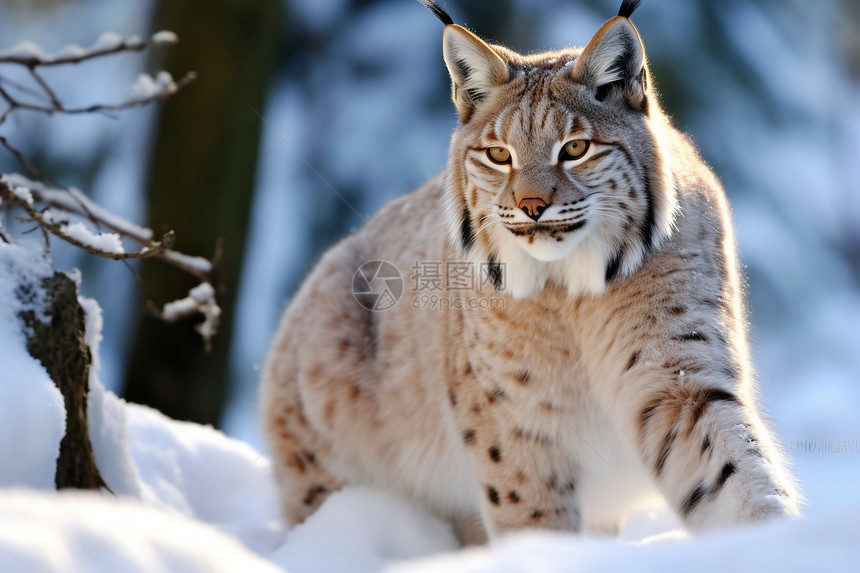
{"x":617,"y":365}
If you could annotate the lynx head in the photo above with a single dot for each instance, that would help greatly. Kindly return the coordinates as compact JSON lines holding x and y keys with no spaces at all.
{"x":555,"y":169}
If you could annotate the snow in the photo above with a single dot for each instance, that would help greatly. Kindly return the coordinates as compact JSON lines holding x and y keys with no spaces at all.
{"x":103,"y":242}
{"x":145,"y":87}
{"x":202,"y":293}
{"x":164,"y":37}
{"x":823,"y":543}
{"x":108,"y":419}
{"x":55,"y":217}
{"x":74,"y":200}
{"x":362,"y":530}
{"x":200,"y":299}
{"x":84,"y":532}
{"x":31,"y":406}
{"x":23,"y":194}
{"x":23,"y":51}
{"x":199,"y":264}
{"x":69,"y":51}
{"x":109,"y":437}
{"x":106,"y":41}
{"x":200,"y":472}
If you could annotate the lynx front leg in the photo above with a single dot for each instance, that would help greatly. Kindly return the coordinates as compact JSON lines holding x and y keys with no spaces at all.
{"x":668,"y":358}
{"x":710,"y":454}
{"x":524,"y":479}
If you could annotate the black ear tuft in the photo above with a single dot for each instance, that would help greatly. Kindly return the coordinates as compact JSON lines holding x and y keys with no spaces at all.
{"x":444,"y":16}
{"x":626,"y":10}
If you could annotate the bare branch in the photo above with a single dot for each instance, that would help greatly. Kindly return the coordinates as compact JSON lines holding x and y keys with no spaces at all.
{"x":51,"y":208}
{"x":32,"y":57}
{"x":73,"y":201}
{"x":23,"y":161}
{"x":162,"y":94}
{"x":46,"y":88}
{"x":7,"y":113}
{"x":38,"y":94}
{"x":63,"y":230}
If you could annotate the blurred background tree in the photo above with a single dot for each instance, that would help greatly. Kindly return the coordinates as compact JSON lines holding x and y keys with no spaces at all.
{"x":201,"y":183}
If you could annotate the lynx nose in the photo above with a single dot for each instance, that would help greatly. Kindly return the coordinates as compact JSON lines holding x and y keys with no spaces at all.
{"x":533,"y":206}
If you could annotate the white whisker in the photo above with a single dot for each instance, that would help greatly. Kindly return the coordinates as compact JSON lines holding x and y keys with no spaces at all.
{"x":611,"y":213}
{"x":488,"y":220}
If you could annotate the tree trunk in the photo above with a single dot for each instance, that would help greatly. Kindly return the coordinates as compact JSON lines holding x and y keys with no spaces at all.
{"x":61,"y":348}
{"x":201,"y":185}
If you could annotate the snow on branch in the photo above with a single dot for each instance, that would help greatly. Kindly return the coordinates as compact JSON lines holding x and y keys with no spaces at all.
{"x":67,"y":213}
{"x":30,"y":55}
{"x":200,"y":300}
{"x":57,"y":222}
{"x":144,"y":90}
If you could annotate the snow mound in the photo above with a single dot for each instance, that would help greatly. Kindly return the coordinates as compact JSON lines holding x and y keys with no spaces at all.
{"x":32,"y":416}
{"x":24,"y":51}
{"x":80,"y":531}
{"x":361,"y":530}
{"x":205,"y":475}
{"x":820,"y":543}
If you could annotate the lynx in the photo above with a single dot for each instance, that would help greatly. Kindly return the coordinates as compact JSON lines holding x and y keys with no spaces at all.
{"x":598,"y":357}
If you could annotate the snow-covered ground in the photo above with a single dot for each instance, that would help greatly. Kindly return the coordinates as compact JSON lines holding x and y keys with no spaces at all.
{"x":189,"y":498}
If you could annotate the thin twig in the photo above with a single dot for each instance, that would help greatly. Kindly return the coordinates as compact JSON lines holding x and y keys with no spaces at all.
{"x":20,"y":157}
{"x":7,"y":113}
{"x":24,"y":89}
{"x":100,"y":107}
{"x":48,"y":90}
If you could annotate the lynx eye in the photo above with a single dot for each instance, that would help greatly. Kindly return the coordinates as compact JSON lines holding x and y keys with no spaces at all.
{"x":573,"y":149}
{"x":499,"y":155}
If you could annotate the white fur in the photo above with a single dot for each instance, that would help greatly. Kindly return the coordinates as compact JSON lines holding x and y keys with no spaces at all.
{"x":578,"y":263}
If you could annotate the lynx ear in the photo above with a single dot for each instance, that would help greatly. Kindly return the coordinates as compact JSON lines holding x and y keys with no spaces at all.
{"x":474,"y":66}
{"x":613,"y":64}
